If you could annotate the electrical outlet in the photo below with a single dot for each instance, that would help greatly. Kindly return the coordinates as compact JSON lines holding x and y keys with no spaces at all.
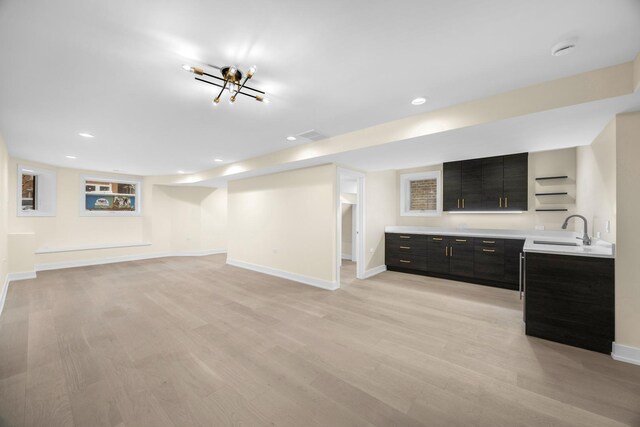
{"x":607,"y":226}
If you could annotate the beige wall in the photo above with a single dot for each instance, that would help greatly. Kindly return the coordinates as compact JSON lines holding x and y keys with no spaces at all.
{"x":4,"y":197}
{"x":596,"y":183}
{"x":174,"y":220}
{"x":347,"y":230}
{"x":380,"y":210}
{"x":628,"y":236}
{"x":286,"y":222}
{"x":544,"y":163}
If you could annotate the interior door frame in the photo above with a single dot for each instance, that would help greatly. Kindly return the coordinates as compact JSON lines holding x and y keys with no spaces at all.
{"x":358,"y":242}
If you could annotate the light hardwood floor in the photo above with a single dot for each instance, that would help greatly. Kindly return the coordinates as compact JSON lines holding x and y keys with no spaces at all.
{"x":191,"y":341}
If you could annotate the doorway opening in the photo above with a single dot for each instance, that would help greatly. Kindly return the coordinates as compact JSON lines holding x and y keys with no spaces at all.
{"x":350,"y":226}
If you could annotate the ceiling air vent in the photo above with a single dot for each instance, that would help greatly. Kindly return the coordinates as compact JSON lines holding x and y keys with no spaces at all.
{"x":313,"y":135}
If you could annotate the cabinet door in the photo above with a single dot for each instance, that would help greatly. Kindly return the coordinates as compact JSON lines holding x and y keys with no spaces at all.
{"x":516,"y":180}
{"x":451,"y":186}
{"x":512,"y":251}
{"x":461,"y":256}
{"x":471,"y":185}
{"x":488,"y":262}
{"x":492,"y":183}
{"x":437,"y":254}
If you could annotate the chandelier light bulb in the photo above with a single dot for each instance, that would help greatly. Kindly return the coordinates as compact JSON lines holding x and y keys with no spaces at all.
{"x":252,"y":71}
{"x":232,"y":71}
{"x":187,"y":67}
{"x":216,"y":101}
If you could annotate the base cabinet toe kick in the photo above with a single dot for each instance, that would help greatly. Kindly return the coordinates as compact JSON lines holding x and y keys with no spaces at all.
{"x":485,"y":261}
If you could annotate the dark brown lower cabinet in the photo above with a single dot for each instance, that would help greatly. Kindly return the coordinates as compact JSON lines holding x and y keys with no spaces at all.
{"x":570,"y":299}
{"x":485,"y":261}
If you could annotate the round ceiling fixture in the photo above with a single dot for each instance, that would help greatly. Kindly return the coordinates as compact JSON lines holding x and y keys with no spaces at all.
{"x":563,"y":48}
{"x":71,"y":157}
{"x":291,"y":138}
{"x":218,"y":160}
{"x":85,"y":135}
{"x":419,"y":101}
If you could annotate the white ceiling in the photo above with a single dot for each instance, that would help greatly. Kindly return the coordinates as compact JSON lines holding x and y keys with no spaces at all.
{"x":112,"y":68}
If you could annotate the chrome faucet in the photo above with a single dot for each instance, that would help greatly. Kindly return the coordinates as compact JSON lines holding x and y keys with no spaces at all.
{"x":586,"y":240}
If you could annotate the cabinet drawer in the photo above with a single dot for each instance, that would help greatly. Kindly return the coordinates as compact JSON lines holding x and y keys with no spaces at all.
{"x":414,"y":262}
{"x":489,"y":243}
{"x":406,"y":238}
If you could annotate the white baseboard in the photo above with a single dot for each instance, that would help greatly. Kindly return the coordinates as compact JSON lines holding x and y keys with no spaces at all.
{"x":624,"y":353}
{"x":24,"y":275}
{"x":3,"y":292}
{"x":319,"y":283}
{"x":373,"y":271}
{"x":125,"y":258}
{"x":347,"y":257}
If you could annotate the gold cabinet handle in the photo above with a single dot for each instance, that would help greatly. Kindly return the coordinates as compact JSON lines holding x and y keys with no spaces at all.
{"x":405,"y":247}
{"x":462,"y":203}
{"x":405,"y":237}
{"x":488,"y":241}
{"x":506,"y":202}
{"x":488,"y":250}
{"x":437,"y":238}
{"x":461,"y":240}
{"x":446,"y":251}
{"x":500,"y":201}
{"x":458,"y":203}
{"x":451,"y":251}
{"x":405,"y":261}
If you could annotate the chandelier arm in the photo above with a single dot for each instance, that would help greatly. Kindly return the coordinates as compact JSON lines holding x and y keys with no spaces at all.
{"x":220,"y":78}
{"x":216,"y":84}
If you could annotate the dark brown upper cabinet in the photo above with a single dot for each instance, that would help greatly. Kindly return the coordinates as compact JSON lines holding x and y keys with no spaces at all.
{"x":490,"y":184}
{"x":462,"y":185}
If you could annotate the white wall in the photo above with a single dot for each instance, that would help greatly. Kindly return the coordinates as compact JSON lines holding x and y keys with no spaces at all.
{"x":628,"y":235}
{"x":347,"y":230}
{"x":285,"y":222}
{"x":4,"y":196}
{"x":380,"y":211}
{"x":596,"y":183}
{"x":174,"y":220}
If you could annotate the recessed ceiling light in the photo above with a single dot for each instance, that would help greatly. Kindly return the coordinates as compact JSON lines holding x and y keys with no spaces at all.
{"x":85,"y":135}
{"x":71,"y":157}
{"x":419,"y":101}
{"x":563,"y":48}
{"x":180,"y":172}
{"x":218,"y":160}
{"x":291,"y":138}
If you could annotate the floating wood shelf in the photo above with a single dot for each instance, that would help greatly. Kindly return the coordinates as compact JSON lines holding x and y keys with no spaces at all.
{"x":545,"y":178}
{"x":564,"y":193}
{"x":552,"y":210}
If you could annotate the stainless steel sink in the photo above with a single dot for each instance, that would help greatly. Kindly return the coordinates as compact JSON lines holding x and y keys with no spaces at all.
{"x":545,"y":242}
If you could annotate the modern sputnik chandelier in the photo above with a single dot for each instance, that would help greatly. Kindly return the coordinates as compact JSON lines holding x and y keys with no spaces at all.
{"x":233,"y":80}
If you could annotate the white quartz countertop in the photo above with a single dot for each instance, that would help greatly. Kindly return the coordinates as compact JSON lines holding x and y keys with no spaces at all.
{"x":599,"y":248}
{"x":479,"y":232}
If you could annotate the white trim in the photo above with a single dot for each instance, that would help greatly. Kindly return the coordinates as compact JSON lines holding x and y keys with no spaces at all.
{"x":125,"y":258}
{"x":348,"y":257}
{"x":90,"y":247}
{"x":318,"y":283}
{"x":3,"y":292}
{"x":376,"y":270}
{"x":405,"y":193}
{"x":625,"y":353}
{"x":24,"y":275}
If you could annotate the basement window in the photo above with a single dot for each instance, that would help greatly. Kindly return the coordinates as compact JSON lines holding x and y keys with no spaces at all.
{"x":420,"y":194}
{"x":102,"y":196}
{"x":36,"y":192}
